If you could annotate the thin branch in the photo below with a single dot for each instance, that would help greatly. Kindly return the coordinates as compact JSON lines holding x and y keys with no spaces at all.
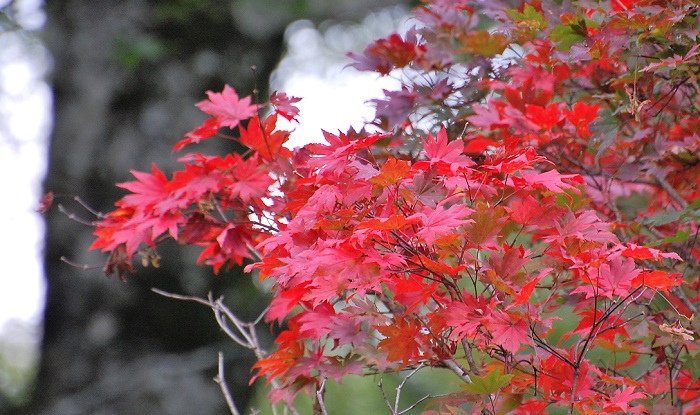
{"x":419,"y":401}
{"x":686,"y":301}
{"x":470,"y":357}
{"x":221,"y":381}
{"x":74,"y":217}
{"x":87,"y":207}
{"x":242,"y":328}
{"x":386,"y":398}
{"x":399,"y":388}
{"x":181,"y":297}
{"x":671,"y":191}
{"x":458,"y":370}
{"x":320,"y":403}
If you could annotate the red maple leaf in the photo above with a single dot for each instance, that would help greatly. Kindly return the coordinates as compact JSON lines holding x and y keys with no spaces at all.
{"x":544,"y":117}
{"x":437,"y":148}
{"x":284,"y":105}
{"x":265,"y":139}
{"x":463,"y":318}
{"x":611,"y":279}
{"x":384,"y":55}
{"x":441,"y":221}
{"x":621,"y":399}
{"x":147,"y":191}
{"x":45,"y":203}
{"x":207,"y":130}
{"x":581,"y":116}
{"x":509,"y":329}
{"x":413,"y":292}
{"x":552,"y":180}
{"x":250,"y":180}
{"x":228,"y":109}
{"x":401,"y":341}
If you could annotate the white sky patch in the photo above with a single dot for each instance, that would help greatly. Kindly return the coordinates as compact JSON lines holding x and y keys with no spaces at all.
{"x":334,"y":95}
{"x":26,"y":107}
{"x":25,"y":110}
{"x":333,"y":104}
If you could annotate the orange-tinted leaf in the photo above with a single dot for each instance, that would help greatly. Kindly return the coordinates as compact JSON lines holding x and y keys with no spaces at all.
{"x":392,"y":172}
{"x":484,"y":43}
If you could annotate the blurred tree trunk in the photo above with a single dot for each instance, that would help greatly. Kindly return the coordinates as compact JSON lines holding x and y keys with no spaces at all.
{"x":126,"y":76}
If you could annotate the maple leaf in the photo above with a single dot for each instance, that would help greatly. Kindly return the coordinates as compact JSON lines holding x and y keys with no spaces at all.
{"x":605,"y":329}
{"x":228,"y":109}
{"x":523,"y":295}
{"x":509,"y":329}
{"x":315,"y":323}
{"x":250,"y":179}
{"x":285,"y":301}
{"x":581,"y":116}
{"x":425,"y":189}
{"x":552,"y":180}
{"x":412,"y":292}
{"x":148,"y":189}
{"x":234,"y":241}
{"x":396,"y":107}
{"x":642,"y":253}
{"x":516,"y":162}
{"x":384,"y":55}
{"x":440,"y":221}
{"x":609,"y":280}
{"x":264,"y":138}
{"x":392,"y":172}
{"x":484,"y":43}
{"x":488,"y":117}
{"x":544,"y":117}
{"x":586,"y":227}
{"x":477,"y":145}
{"x":486,"y":223}
{"x":131,"y":235}
{"x":401,"y":341}
{"x":282,"y":360}
{"x":658,"y":279}
{"x":437,"y":148}
{"x":207,"y":130}
{"x":284,"y":105}
{"x":620,"y":5}
{"x":621,"y":399}
{"x":530,"y":211}
{"x":192,"y":184}
{"x":463,"y":318}
{"x":45,"y":203}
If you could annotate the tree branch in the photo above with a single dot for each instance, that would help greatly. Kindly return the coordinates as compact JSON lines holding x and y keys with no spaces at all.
{"x":221,"y":381}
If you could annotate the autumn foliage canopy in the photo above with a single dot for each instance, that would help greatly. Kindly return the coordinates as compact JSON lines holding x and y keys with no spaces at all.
{"x":540,"y":164}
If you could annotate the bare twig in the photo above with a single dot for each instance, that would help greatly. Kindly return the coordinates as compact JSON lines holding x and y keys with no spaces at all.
{"x":246,"y":335}
{"x":671,"y":191}
{"x":686,"y":301}
{"x":84,"y":267}
{"x":458,"y":370}
{"x":386,"y":398}
{"x":470,"y":357}
{"x":87,"y":207}
{"x":221,"y":381}
{"x":399,"y":388}
{"x":320,"y":408}
{"x":72,"y":216}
